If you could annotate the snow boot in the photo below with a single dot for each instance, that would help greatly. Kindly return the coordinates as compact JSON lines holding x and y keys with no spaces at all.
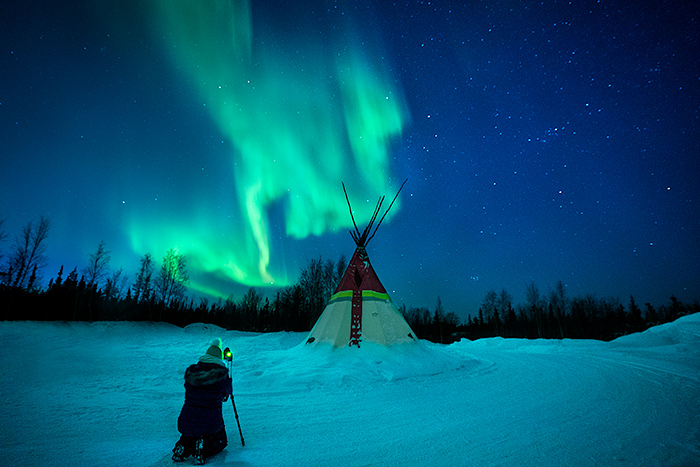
{"x":179,"y":453}
{"x":199,"y":451}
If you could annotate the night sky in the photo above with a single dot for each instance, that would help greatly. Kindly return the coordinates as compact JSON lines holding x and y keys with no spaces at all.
{"x":542,"y":142}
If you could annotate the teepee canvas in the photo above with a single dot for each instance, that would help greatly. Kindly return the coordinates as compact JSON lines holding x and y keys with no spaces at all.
{"x":360,"y":310}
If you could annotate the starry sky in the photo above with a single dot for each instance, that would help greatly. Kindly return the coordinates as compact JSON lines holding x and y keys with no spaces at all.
{"x":542,"y":141}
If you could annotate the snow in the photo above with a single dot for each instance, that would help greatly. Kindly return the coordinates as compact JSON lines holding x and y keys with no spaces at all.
{"x":84,"y":394}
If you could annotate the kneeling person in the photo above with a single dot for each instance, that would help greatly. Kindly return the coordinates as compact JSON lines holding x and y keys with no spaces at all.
{"x":207,"y":386}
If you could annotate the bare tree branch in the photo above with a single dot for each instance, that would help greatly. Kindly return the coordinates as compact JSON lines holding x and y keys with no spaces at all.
{"x":98,"y":266}
{"x":27,"y":256}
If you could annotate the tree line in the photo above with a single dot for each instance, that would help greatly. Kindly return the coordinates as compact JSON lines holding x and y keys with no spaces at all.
{"x":159,"y":293}
{"x":555,"y":315}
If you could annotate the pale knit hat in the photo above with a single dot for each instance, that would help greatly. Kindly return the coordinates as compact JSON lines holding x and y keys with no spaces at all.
{"x":215,"y":348}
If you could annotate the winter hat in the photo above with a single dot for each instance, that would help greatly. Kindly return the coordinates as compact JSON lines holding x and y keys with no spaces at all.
{"x":215,"y":348}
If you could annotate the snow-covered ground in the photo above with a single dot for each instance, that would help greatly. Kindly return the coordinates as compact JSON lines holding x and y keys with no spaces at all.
{"x":103,"y":394}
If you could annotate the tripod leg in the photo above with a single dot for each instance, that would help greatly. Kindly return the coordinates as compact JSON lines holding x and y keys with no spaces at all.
{"x":237,"y":421}
{"x":230,"y":373}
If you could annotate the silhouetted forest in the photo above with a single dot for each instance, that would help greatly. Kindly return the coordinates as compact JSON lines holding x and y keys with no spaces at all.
{"x":159,"y":293}
{"x":557,"y":316}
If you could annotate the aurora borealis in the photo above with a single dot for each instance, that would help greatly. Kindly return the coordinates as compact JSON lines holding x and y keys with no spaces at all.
{"x":542,"y":143}
{"x":295,"y":126}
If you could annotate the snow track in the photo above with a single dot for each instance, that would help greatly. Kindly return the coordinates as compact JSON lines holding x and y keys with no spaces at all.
{"x":110,"y":393}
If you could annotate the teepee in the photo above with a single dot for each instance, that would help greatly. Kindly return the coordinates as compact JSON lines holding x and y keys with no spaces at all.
{"x":360,"y":310}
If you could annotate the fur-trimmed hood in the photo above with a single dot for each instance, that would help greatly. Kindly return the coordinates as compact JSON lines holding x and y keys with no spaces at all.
{"x":206,"y":358}
{"x":205,"y":374}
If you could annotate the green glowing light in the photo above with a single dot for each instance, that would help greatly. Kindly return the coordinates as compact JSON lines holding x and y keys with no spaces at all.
{"x":301,"y":112}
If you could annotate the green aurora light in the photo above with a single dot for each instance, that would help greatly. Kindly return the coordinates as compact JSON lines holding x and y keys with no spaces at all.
{"x":304,"y":104}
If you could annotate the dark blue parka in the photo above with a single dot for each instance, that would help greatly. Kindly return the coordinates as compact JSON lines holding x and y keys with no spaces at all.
{"x":206,"y":387}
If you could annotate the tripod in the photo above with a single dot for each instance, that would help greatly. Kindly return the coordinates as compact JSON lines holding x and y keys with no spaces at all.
{"x":228,"y":356}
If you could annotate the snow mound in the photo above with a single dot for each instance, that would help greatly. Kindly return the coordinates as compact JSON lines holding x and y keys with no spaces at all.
{"x":685,"y":331}
{"x":303,"y":367}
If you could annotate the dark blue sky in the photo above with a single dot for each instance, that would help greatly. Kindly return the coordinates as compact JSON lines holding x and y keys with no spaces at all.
{"x":553,"y":141}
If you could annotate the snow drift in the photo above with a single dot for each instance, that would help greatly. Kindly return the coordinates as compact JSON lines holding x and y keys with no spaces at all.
{"x":109,"y":394}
